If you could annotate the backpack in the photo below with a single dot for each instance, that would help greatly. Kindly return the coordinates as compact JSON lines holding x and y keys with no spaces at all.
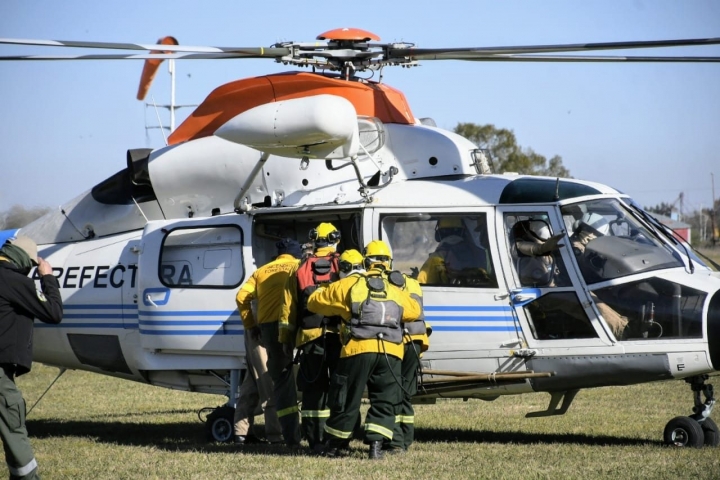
{"x":313,"y":272}
{"x":375,"y":310}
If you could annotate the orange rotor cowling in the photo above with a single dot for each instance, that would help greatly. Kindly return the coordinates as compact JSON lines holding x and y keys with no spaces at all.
{"x":150,"y":68}
{"x":353,"y":34}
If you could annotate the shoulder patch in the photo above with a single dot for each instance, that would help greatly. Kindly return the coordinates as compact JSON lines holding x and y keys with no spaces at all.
{"x":41,"y":296}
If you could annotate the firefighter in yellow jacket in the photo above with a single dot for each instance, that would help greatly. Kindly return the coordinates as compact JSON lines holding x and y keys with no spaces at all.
{"x":372,"y":312}
{"x":267,"y":285}
{"x":315,"y":336}
{"x":416,"y":341}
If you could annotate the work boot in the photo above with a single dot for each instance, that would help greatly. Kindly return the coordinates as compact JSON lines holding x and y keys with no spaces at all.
{"x":376,"y":451}
{"x":239,"y":440}
{"x":332,"y":448}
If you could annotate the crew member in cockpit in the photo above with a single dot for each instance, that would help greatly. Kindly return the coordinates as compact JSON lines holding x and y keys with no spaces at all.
{"x":456,"y":260}
{"x":588,"y":228}
{"x":534,"y":259}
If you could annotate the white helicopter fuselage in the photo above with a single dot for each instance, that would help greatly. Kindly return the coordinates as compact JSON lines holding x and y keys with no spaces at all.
{"x":150,"y":260}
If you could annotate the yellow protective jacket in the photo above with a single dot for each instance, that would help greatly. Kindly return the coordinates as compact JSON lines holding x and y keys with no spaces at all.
{"x":417,"y":333}
{"x":335,"y":299}
{"x":288,"y":331}
{"x":433,"y":270}
{"x":266,"y":285}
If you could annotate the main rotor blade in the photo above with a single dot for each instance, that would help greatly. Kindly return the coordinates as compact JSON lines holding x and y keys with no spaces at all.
{"x":276,"y":52}
{"x":427,"y":53}
{"x":146,"y":56}
{"x":572,"y":58}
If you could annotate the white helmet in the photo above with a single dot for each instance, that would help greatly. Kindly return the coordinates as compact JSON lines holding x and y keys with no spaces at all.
{"x":540,"y":229}
{"x":596,"y":222}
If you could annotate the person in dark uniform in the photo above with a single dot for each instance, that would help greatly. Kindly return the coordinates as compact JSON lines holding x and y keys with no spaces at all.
{"x":20,"y":303}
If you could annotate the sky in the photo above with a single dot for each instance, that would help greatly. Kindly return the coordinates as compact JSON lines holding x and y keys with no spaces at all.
{"x":649,"y":130}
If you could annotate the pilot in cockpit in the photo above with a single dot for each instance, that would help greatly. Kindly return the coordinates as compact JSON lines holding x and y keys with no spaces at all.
{"x":533,"y":258}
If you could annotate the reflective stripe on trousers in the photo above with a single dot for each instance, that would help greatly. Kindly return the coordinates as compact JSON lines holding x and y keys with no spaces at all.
{"x":24,"y":470}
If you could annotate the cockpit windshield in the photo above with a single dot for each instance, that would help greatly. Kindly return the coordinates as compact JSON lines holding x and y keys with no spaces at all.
{"x":609,"y":241}
{"x":694,"y":255}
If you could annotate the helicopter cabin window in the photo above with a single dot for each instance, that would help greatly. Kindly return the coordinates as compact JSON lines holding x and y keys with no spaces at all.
{"x":209,"y":257}
{"x":441,"y":250}
{"x":557,"y":316}
{"x":534,"y":251}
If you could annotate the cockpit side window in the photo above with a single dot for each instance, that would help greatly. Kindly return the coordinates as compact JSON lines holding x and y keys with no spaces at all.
{"x":442,"y":249}
{"x":534,"y":251}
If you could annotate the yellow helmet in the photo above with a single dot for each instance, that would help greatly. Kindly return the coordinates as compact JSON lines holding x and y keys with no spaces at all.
{"x":450,"y":222}
{"x":377,"y":253}
{"x":325,"y":233}
{"x":351,"y":256}
{"x":350,"y":260}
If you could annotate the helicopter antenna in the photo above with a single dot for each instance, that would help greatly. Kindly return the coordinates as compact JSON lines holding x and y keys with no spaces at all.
{"x":90,"y":234}
{"x":141,"y":210}
{"x":159,"y":121}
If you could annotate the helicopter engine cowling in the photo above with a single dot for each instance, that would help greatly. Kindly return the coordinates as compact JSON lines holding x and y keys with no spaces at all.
{"x":320,"y":126}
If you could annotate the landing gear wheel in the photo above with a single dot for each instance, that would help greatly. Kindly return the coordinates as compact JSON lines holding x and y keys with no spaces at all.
{"x":684,"y":432}
{"x":712,"y":435}
{"x":219,"y":426}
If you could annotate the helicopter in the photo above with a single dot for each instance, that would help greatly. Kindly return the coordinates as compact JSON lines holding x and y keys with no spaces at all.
{"x":149,"y":259}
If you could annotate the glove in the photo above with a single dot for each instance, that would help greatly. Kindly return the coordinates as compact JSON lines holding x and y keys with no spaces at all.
{"x":551,"y":243}
{"x":287,"y":350}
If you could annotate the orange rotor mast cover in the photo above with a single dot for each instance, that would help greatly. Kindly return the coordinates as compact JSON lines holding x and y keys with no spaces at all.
{"x":151,"y":66}
{"x":353,"y":34}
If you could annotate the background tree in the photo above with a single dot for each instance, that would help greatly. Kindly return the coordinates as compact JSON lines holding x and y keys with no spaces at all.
{"x":505,"y":153}
{"x":18,"y":216}
{"x":661,"y":209}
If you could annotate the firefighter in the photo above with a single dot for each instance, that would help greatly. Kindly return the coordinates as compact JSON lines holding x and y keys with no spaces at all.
{"x":372,"y":310}
{"x":456,"y":260}
{"x":267,"y":285}
{"x":315,"y":336}
{"x":416,"y":341}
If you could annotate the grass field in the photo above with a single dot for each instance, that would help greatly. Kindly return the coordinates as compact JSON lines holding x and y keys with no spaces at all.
{"x":91,"y":426}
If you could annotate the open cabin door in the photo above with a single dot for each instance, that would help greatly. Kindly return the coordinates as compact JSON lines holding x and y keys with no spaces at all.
{"x":189,"y":273}
{"x":548,"y":296}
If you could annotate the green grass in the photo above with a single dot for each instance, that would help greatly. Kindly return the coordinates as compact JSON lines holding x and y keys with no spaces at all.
{"x":91,"y":426}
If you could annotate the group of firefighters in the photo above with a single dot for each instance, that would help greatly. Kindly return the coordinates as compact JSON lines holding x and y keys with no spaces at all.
{"x":350,"y":323}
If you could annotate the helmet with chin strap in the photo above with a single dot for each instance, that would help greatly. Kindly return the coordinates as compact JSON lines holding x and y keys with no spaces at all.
{"x":350,"y":260}
{"x":377,"y":253}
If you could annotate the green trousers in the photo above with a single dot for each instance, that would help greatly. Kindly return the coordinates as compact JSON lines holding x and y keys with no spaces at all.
{"x":381,"y":374}
{"x":18,"y":452}
{"x":284,"y":389}
{"x":317,"y":363}
{"x":404,"y":431}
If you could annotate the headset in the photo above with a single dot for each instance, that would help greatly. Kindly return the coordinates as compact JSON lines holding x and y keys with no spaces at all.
{"x":332,"y":237}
